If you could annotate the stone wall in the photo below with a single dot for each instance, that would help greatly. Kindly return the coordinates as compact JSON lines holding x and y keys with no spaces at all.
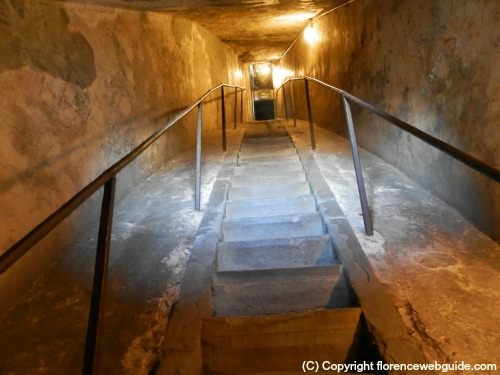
{"x":434,"y":64}
{"x":81,"y":86}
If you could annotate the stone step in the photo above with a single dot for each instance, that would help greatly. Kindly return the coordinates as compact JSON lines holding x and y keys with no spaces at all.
{"x":280,"y":343}
{"x":279,"y":178}
{"x":268,"y":159}
{"x":267,"y":147}
{"x":300,"y":225}
{"x":275,"y":291}
{"x":269,"y":170}
{"x":256,"y":131}
{"x":261,"y":138}
{"x":266,"y":142}
{"x":268,"y":167}
{"x":254,"y":208}
{"x":277,"y":345}
{"x":286,"y":190}
{"x":274,"y":254}
{"x":265,"y":134}
{"x":252,"y":155}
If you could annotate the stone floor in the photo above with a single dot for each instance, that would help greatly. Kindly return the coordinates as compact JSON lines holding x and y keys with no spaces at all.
{"x":153,"y":230}
{"x":442,"y":273}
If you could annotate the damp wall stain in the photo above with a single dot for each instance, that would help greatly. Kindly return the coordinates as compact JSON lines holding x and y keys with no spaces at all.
{"x":36,"y":34}
{"x":80,"y":87}
{"x":433,"y":64}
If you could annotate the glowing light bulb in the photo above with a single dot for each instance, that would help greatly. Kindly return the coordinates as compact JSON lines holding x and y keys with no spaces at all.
{"x":311,"y":35}
{"x":265,"y":70}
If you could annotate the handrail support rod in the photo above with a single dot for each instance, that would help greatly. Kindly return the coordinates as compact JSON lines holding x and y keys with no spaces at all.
{"x":284,"y":103}
{"x":235,"y":104}
{"x":223,"y":110}
{"x":197,"y":195}
{"x":357,"y":168}
{"x":100,"y":277}
{"x":309,"y":115}
{"x":241,"y":107}
{"x":293,"y":105}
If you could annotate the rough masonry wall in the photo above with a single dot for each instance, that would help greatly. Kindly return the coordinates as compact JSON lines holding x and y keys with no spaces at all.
{"x":81,"y":86}
{"x":434,"y":64}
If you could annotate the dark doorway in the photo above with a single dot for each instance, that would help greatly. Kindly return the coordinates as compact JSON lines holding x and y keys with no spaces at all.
{"x":262,"y":91}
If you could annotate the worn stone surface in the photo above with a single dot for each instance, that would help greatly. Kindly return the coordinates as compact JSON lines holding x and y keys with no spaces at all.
{"x":182,"y":348}
{"x":383,"y":321}
{"x":80,"y":87}
{"x":278,"y":343}
{"x":279,"y":290}
{"x":450,"y":305}
{"x":153,"y":236}
{"x":433,"y":64}
{"x":442,"y":273}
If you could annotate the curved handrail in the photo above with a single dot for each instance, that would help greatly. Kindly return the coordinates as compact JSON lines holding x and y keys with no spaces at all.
{"x":108,"y":180}
{"x":20,"y":248}
{"x":472,"y":162}
{"x":454,"y":152}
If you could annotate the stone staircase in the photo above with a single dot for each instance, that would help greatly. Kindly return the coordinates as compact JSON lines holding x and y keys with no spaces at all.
{"x":279,"y":297}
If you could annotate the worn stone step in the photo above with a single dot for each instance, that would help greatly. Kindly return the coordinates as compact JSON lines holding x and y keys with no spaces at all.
{"x":279,"y":178}
{"x":265,"y":139}
{"x":266,"y":147}
{"x":280,"y":130}
{"x":263,"y":136}
{"x":268,"y":159}
{"x":269,"y":170}
{"x":269,"y":137}
{"x":278,"y":344}
{"x":255,"y":208}
{"x":274,"y":167}
{"x":253,"y":155}
{"x":286,"y":190}
{"x":279,"y":253}
{"x":300,"y":225}
{"x":275,"y":291}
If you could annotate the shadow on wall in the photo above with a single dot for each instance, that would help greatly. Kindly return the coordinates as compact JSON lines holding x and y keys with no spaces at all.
{"x":26,"y":175}
{"x":27,"y":25}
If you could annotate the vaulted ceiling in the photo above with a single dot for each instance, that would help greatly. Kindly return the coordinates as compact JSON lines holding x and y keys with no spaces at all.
{"x":257,"y":30}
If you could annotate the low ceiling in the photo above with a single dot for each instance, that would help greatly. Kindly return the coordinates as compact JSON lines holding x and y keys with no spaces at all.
{"x":257,"y":30}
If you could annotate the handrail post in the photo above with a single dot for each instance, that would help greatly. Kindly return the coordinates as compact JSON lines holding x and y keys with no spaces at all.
{"x":309,"y":115}
{"x":293,"y":104}
{"x":241,"y":107}
{"x":197,"y":197}
{"x":235,"y":104}
{"x":284,"y":102}
{"x":100,"y":276}
{"x":275,"y":102}
{"x":357,"y":167}
{"x":223,"y":109}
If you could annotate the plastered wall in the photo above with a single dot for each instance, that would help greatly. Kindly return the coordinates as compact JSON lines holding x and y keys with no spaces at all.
{"x":80,"y":86}
{"x":434,"y":64}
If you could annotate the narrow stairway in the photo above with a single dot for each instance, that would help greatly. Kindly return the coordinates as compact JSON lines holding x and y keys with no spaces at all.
{"x":279,"y":297}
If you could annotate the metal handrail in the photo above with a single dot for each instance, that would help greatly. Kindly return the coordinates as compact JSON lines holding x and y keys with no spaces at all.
{"x":108,"y":180}
{"x":476,"y":164}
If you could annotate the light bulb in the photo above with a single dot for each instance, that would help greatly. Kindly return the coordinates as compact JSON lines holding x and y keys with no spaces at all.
{"x":311,"y":34}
